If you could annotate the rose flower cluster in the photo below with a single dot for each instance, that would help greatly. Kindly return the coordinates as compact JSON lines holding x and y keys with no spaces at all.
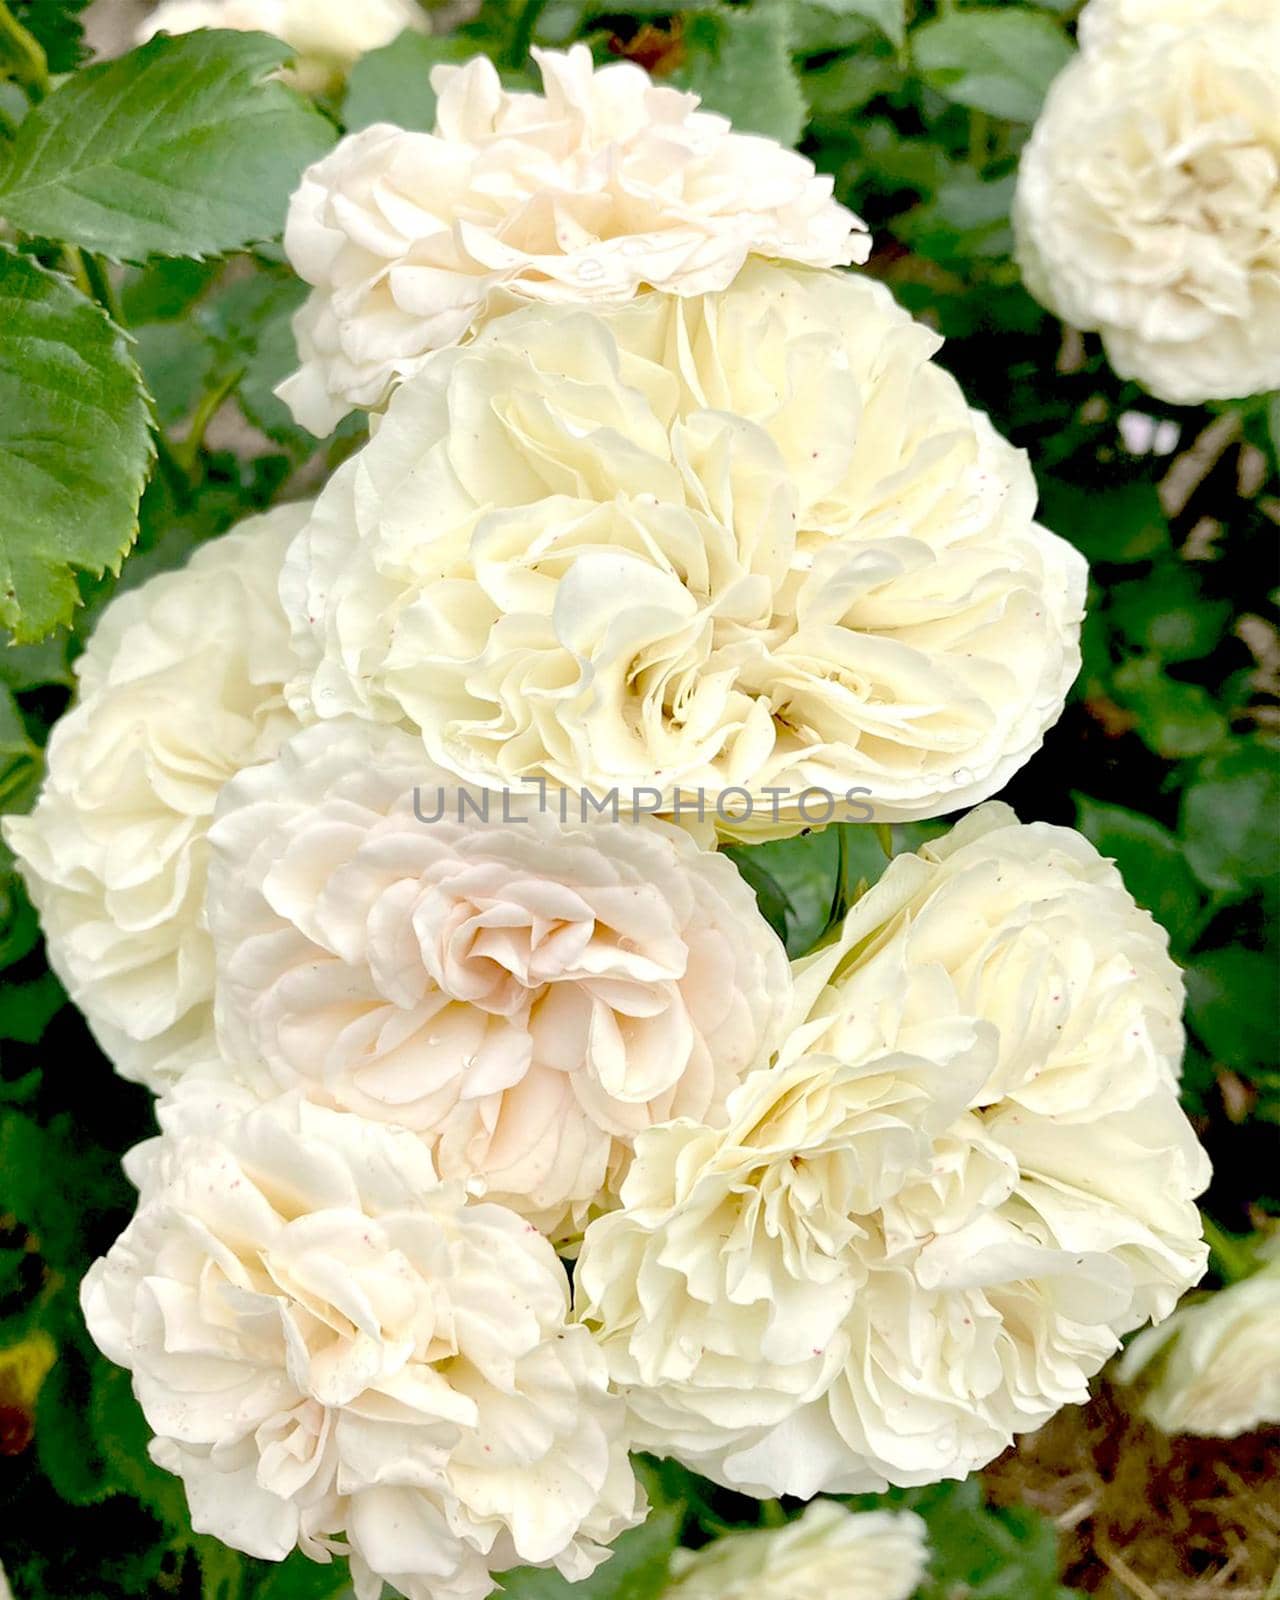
{"x":499,"y":1136}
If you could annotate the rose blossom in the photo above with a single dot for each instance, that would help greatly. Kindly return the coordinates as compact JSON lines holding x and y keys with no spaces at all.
{"x":339,"y":1353}
{"x":1148,"y":202}
{"x":751,"y":541}
{"x":1214,"y":1367}
{"x":602,"y":186}
{"x":330,"y":36}
{"x":828,"y":1550}
{"x":926,"y":1226}
{"x":525,"y":992}
{"x":1107,"y":23}
{"x":179,"y":688}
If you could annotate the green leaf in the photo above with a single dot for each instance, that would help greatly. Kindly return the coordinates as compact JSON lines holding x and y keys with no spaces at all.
{"x":271,"y":363}
{"x":849,"y":82}
{"x":816,"y":30}
{"x":251,"y":325}
{"x":1174,"y":719}
{"x":26,"y":1009}
{"x":636,"y":1570}
{"x":56,"y":1180}
{"x":122,"y":1435}
{"x":164,"y":289}
{"x":1228,"y":818}
{"x":797,"y":882}
{"x":1001,"y":62}
{"x":890,"y":16}
{"x":29,"y":666}
{"x":19,"y":758}
{"x":14,"y":105}
{"x":185,"y":147}
{"x":299,"y":1578}
{"x":12,"y":1263}
{"x":1232,"y":1001}
{"x":1150,"y":860}
{"x":68,"y":1458}
{"x":1168,"y":615}
{"x":177,"y":363}
{"x":977,"y":1552}
{"x":740,"y":63}
{"x":862,"y":859}
{"x":19,"y":928}
{"x":74,"y":445}
{"x":221,"y":1569}
{"x":1120,"y":522}
{"x":393,"y":84}
{"x":55,"y":26}
{"x":967,"y":217}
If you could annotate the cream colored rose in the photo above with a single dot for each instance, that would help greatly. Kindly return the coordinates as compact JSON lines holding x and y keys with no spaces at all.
{"x":1214,"y":1366}
{"x":1148,"y":202}
{"x":1105,"y":24}
{"x":181,"y":686}
{"x":329,"y":35}
{"x":746,"y":543}
{"x":928,"y":1223}
{"x":337,"y":1353}
{"x":828,"y":1550}
{"x":524,"y":991}
{"x":601,"y":187}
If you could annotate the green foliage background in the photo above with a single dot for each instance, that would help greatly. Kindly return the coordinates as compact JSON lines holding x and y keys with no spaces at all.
{"x":1166,"y":757}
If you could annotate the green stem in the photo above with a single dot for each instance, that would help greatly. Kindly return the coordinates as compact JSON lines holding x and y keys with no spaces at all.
{"x":175,"y":465}
{"x":979,"y":140}
{"x":174,"y":473}
{"x":101,"y":287}
{"x":522,"y":33}
{"x":74,"y":267}
{"x":1191,"y":937}
{"x":187,"y":453}
{"x":17,"y":46}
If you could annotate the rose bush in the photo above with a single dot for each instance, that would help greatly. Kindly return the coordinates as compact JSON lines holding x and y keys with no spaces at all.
{"x":633,"y":486}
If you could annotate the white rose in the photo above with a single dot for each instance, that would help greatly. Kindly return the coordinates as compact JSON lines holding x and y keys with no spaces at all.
{"x":754,"y":540}
{"x":1214,"y":1366}
{"x":181,"y":686}
{"x":1148,"y":202}
{"x":601,"y":187}
{"x":338,"y":1353}
{"x":828,"y":1550}
{"x":527,"y":993}
{"x":928,"y":1224}
{"x":329,"y":35}
{"x":1108,"y":23}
